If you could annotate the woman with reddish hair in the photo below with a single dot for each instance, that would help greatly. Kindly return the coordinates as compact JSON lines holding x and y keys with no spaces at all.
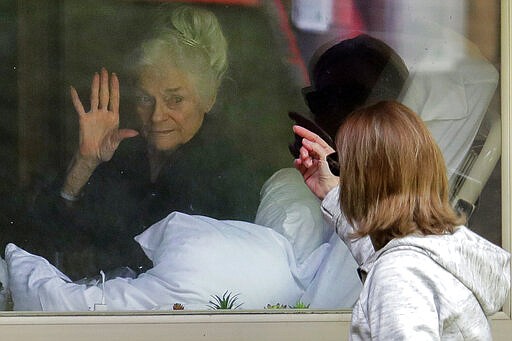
{"x":425,"y":275}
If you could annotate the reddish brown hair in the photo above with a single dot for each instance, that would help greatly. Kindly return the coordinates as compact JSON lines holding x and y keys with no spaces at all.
{"x":392,"y":175}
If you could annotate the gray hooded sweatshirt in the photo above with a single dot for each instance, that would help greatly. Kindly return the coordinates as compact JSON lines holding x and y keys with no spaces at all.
{"x":440,"y":287}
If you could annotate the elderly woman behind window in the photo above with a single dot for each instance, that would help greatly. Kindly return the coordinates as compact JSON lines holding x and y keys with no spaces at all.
{"x":122,"y":180}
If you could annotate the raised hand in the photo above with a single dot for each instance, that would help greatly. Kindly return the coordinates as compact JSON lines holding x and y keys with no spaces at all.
{"x":99,"y":134}
{"x":312,"y":162}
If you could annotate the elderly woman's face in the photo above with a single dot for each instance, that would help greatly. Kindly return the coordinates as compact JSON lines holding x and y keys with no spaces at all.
{"x":169,"y":107}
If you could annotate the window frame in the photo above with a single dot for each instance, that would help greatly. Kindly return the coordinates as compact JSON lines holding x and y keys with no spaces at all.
{"x":257,"y":325}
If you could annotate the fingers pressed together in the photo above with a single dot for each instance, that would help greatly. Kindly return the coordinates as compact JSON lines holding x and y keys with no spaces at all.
{"x":104,"y":93}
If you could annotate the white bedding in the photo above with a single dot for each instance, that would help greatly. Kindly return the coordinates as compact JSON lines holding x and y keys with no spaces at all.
{"x":194,"y":258}
{"x":295,"y":257}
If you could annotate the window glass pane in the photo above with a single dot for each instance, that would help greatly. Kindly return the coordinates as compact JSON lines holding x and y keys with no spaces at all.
{"x":199,"y":167}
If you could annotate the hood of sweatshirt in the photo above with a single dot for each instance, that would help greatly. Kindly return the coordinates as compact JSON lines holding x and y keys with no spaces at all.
{"x":481,"y":266}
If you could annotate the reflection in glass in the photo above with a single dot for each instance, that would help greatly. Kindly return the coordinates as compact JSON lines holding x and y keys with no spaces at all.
{"x":237,"y":165}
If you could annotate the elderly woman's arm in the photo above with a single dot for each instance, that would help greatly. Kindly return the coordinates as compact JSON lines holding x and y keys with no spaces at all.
{"x":99,"y":134}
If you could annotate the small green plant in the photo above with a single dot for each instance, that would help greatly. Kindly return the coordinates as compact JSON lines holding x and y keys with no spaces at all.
{"x":276,"y":306}
{"x":178,"y":306}
{"x":300,"y":305}
{"x":227,"y":301}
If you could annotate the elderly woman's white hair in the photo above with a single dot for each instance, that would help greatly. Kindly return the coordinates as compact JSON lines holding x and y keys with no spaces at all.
{"x":190,"y":39}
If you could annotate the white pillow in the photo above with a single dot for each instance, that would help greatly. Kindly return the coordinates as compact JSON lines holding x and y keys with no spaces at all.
{"x":35,"y":284}
{"x":194,"y":258}
{"x":336,"y":284}
{"x":288,"y":206}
